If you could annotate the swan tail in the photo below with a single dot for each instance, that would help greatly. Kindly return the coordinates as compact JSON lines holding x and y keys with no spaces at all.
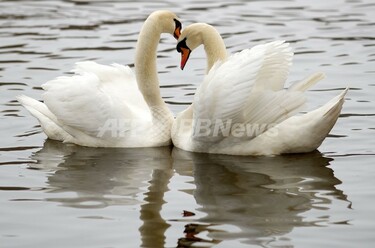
{"x":335,"y":105}
{"x":45,"y":117}
{"x":325,"y":117}
{"x":305,"y":133}
{"x":307,"y":82}
{"x":35,"y":107}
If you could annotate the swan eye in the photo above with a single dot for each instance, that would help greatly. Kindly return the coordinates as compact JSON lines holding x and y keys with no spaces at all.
{"x":182,"y":44}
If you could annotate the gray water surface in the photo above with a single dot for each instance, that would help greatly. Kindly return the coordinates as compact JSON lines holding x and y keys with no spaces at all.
{"x":59,"y":195}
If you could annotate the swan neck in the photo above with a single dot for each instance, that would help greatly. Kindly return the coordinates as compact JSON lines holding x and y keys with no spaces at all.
{"x":214,"y":47}
{"x":145,"y":62}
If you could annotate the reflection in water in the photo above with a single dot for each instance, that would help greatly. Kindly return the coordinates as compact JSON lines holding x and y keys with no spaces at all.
{"x":39,"y":41}
{"x":264,"y":197}
{"x":100,"y":177}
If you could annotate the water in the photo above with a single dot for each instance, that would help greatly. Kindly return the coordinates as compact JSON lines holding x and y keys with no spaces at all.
{"x":56,"y":195}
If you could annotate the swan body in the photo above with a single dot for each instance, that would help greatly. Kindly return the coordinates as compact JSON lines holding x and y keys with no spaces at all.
{"x":242,"y":108}
{"x":110,"y":106}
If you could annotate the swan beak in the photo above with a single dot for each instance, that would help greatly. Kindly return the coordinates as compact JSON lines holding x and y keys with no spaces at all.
{"x":177,"y":33}
{"x":185,"y":53}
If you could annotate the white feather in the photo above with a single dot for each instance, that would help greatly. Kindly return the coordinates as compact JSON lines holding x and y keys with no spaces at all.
{"x":245,"y":95}
{"x":77,"y":107}
{"x":102,"y":106}
{"x":246,"y":88}
{"x":100,"y":92}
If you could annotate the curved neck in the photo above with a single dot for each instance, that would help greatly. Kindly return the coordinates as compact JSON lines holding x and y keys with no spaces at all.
{"x":214,"y":46}
{"x":145,"y":62}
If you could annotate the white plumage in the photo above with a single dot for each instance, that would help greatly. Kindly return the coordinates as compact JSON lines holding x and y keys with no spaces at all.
{"x":108,"y":106}
{"x":98,"y":106}
{"x":242,"y":108}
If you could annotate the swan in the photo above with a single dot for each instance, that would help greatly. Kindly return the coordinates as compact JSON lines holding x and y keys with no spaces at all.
{"x":109,"y":106}
{"x":242,"y":108}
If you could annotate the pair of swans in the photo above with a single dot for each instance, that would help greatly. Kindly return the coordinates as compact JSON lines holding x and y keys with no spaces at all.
{"x":240,"y":108}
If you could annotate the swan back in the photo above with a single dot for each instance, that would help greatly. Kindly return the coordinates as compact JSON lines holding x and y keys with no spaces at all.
{"x":103,"y":94}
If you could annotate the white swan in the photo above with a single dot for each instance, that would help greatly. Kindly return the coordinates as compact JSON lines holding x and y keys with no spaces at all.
{"x":241,"y":107}
{"x":107,"y":106}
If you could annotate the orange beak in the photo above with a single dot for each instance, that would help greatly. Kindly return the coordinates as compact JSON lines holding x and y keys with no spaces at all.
{"x":185,"y":53}
{"x":177,"y":33}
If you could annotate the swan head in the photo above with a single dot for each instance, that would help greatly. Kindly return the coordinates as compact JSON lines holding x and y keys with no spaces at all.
{"x":195,"y":35}
{"x":190,"y":38}
{"x":168,"y":21}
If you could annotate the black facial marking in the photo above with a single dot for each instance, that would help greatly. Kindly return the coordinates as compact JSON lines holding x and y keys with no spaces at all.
{"x":182,"y":44}
{"x":177,"y":23}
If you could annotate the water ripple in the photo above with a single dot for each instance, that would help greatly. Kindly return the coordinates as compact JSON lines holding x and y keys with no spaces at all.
{"x":41,"y":40}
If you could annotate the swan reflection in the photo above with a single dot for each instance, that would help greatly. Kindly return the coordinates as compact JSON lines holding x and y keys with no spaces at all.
{"x":259,"y":196}
{"x":257,"y":199}
{"x":87,"y":178}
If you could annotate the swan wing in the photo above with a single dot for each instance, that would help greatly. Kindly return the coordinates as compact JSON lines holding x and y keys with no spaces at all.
{"x":276,"y":63}
{"x":94,"y":95}
{"x":265,"y":107}
{"x":247,"y":88}
{"x":272,"y":107}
